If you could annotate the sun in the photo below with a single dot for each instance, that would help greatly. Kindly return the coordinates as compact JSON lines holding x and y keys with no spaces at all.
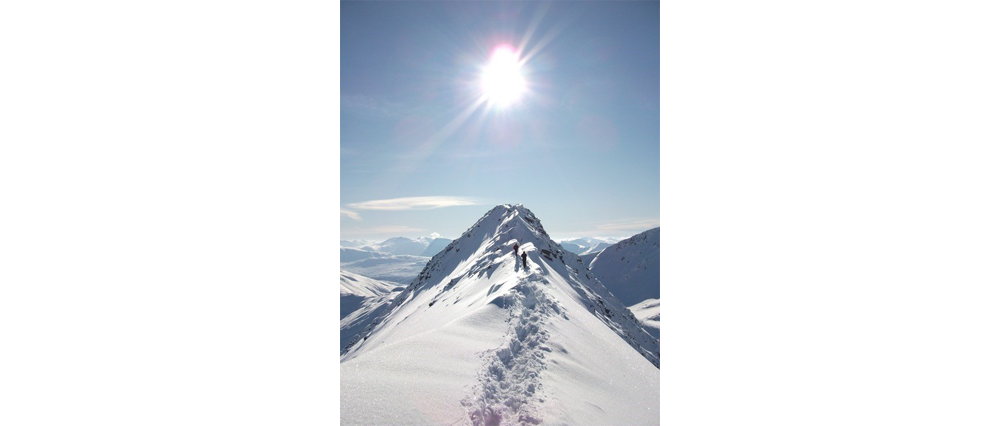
{"x":502,"y":82}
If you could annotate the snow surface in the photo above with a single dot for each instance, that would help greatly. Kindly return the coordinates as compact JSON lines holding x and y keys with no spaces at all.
{"x":361,"y":300}
{"x":589,"y":257}
{"x":648,"y":313}
{"x":357,"y":285}
{"x":630,"y":269}
{"x":479,"y":339}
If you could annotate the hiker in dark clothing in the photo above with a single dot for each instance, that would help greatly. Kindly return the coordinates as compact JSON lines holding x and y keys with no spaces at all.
{"x":524,"y":258}
{"x":515,"y":249}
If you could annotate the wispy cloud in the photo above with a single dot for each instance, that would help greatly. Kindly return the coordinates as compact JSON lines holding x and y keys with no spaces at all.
{"x":617,"y":230}
{"x":382,"y":230}
{"x":351,"y":214}
{"x":633,"y":225}
{"x":413,"y":203}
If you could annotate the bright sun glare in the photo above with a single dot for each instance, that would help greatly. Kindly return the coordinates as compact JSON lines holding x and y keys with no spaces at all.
{"x":502,"y":81}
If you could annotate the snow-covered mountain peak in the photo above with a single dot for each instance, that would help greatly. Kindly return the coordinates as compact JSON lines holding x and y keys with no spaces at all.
{"x":508,"y":339}
{"x":483,"y":260}
{"x":502,"y":227}
{"x":490,"y":242}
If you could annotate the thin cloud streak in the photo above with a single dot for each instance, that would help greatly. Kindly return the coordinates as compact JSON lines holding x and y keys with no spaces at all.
{"x":640,"y":225}
{"x":350,"y":214}
{"x":380,"y":230}
{"x":413,"y":203}
{"x":617,"y":230}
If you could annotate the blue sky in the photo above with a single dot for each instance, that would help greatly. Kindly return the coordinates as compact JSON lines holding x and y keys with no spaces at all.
{"x":424,"y":151}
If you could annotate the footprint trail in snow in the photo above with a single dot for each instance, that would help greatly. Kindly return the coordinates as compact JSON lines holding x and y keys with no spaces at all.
{"x":509,"y":385}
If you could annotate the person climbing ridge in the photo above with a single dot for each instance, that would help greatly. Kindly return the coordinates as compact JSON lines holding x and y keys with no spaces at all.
{"x":515,"y":249}
{"x":524,"y":258}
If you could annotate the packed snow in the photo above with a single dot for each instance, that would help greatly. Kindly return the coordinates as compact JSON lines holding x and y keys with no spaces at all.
{"x":480,"y":338}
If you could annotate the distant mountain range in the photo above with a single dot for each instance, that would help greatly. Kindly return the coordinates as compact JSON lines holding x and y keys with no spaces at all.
{"x":422,"y":246}
{"x":400,"y":269}
{"x":397,"y":259}
{"x":587,"y":245}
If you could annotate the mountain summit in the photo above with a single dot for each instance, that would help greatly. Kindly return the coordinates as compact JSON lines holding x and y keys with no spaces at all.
{"x":481,"y":338}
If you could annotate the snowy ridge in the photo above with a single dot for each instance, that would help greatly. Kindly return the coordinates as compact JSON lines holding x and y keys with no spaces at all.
{"x":361,"y":300}
{"x":360,"y":285}
{"x":648,"y":312}
{"x":480,"y":338}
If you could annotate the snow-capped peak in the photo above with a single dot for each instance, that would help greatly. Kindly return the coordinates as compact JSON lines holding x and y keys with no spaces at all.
{"x":503,"y":226}
{"x":487,"y":246}
{"x":486,"y":334}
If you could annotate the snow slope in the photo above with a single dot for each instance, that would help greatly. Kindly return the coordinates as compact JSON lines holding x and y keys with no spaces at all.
{"x":589,"y":257}
{"x":479,"y":339}
{"x":648,"y":313}
{"x":361,"y":300}
{"x":630,"y":269}
{"x":352,"y":284}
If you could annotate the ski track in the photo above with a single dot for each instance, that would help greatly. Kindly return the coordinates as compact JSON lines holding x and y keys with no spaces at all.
{"x":509,"y":386}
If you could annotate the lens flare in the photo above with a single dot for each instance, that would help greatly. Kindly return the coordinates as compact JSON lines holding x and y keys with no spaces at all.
{"x":502,"y":81}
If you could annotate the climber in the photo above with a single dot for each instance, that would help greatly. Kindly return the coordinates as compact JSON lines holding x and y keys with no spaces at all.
{"x":524,"y":258}
{"x":515,"y":249}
